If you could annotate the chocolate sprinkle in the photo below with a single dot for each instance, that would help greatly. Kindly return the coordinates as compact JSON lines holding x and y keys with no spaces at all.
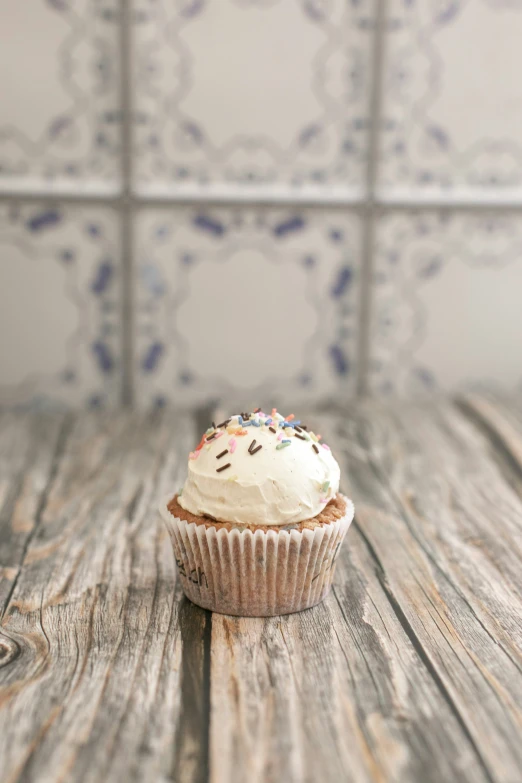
{"x":315,"y":448}
{"x":222,"y":454}
{"x":254,"y":451}
{"x":252,"y":446}
{"x":211,"y":436}
{"x":297,"y":428}
{"x":272,"y":429}
{"x":223,"y":467}
{"x":224,"y":423}
{"x":214,"y":424}
{"x":301,"y":437}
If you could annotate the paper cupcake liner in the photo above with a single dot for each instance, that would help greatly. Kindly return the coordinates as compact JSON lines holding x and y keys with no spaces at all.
{"x":256,"y":574}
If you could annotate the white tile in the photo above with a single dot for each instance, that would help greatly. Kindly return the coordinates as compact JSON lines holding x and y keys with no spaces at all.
{"x":257,"y":93}
{"x":59,"y":306}
{"x":59,"y":113}
{"x":245,"y":304}
{"x":452,"y":114}
{"x":446,"y":303}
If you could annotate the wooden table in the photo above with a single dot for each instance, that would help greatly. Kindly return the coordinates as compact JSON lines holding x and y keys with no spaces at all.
{"x":411,"y":670}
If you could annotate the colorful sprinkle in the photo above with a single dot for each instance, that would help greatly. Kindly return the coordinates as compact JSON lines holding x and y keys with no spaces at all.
{"x":241,"y":432}
{"x":286,"y":440}
{"x":240,"y":420}
{"x":280,"y":436}
{"x":325,"y":486}
{"x":194,"y":454}
{"x":290,"y":418}
{"x":268,"y":421}
{"x":257,"y":410}
{"x":232,"y":478}
{"x":283,"y":445}
{"x":313,"y":436}
{"x":274,"y":411}
{"x":232,"y":443}
{"x":325,"y":446}
{"x":247,"y":424}
{"x":223,"y":467}
{"x":256,"y":423}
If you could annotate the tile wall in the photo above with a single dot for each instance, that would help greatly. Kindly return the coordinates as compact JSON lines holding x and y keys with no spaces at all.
{"x":258,"y":199}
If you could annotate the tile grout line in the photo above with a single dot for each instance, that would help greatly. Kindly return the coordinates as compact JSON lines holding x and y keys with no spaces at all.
{"x":126,"y":205}
{"x":290,"y":200}
{"x":371,"y":208}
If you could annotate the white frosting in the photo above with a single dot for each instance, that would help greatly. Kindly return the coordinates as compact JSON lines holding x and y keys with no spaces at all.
{"x":271,"y":487}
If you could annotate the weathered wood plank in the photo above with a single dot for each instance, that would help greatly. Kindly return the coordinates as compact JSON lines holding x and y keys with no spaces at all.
{"x":346,"y":690}
{"x":411,"y":670}
{"x":335,"y":693}
{"x":444,"y":528}
{"x":28,"y":446}
{"x":502,"y":419}
{"x":108,"y":658}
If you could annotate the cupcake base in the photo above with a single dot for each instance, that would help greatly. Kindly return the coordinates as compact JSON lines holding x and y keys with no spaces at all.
{"x":257,"y":571}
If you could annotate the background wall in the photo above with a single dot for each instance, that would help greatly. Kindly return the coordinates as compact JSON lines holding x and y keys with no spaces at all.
{"x":284,"y":199}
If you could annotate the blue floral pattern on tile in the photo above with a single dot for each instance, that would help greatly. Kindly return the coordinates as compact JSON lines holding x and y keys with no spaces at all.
{"x":445,"y":311}
{"x":324,"y":146}
{"x":81,"y":141}
{"x":64,"y":279}
{"x":279,"y":244}
{"x":425,"y":142}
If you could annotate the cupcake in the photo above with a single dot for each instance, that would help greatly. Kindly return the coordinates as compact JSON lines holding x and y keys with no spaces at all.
{"x":258,"y":525}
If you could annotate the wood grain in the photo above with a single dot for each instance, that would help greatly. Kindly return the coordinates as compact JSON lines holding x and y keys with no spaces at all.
{"x":108,"y":655}
{"x":444,"y":526}
{"x":501,"y":420}
{"x":28,"y":446}
{"x":411,"y":670}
